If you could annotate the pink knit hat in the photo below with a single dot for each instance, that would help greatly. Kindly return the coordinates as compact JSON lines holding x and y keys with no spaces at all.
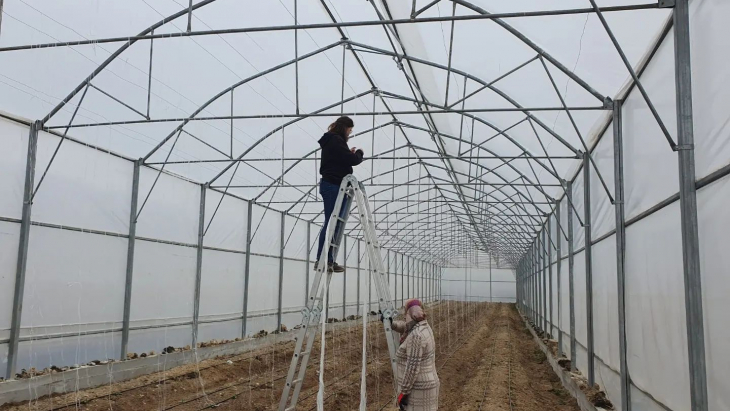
{"x":412,"y":303}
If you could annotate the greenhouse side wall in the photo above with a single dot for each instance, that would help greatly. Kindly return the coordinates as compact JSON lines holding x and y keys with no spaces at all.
{"x":656,"y":332}
{"x":73,"y":301}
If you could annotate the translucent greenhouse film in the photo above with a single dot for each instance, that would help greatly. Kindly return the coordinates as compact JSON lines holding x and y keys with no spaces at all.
{"x":159,"y":176}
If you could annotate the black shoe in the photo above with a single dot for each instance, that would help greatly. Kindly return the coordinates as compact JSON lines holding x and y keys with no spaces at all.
{"x":336,"y":268}
{"x":329,"y":267}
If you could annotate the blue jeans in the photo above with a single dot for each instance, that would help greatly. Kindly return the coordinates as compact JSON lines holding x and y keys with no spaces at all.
{"x":329,"y":193}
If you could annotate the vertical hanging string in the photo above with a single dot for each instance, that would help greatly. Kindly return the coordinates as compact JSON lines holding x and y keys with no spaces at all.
{"x":363,"y":384}
{"x":320,"y":393}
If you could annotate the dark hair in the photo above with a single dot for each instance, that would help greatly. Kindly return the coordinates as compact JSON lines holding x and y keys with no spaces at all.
{"x":341,"y":125}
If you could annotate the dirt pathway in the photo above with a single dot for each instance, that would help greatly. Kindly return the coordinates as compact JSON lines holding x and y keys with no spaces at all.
{"x":511,"y":372}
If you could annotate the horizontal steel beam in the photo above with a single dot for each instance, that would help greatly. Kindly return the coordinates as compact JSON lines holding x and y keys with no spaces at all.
{"x":291,"y":27}
{"x":228,"y":159}
{"x":398,"y":184}
{"x":433,"y":201}
{"x":352,"y":114}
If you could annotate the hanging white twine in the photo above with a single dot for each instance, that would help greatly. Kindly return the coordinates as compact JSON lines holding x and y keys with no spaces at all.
{"x":320,"y":393}
{"x":363,"y":385}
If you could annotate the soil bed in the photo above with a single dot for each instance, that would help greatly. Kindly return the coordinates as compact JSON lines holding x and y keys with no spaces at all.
{"x":486,"y":358}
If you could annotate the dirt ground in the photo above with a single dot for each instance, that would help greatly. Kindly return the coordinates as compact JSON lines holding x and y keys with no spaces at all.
{"x":486,"y":359}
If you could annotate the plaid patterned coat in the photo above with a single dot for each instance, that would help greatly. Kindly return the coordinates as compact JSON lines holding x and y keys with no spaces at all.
{"x":416,"y":359}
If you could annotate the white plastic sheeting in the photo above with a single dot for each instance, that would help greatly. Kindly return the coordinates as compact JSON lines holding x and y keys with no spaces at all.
{"x":655,"y":305}
{"x":74,"y":290}
{"x":88,"y":189}
{"x":478,"y":284}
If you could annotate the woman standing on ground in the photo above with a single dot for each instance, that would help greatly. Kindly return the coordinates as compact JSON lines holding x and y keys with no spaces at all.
{"x":418,"y":382}
{"x":337,"y":162}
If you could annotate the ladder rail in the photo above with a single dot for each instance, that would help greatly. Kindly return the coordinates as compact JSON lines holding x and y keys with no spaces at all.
{"x":351,"y":190}
{"x":382,"y":286}
{"x":300,"y":359}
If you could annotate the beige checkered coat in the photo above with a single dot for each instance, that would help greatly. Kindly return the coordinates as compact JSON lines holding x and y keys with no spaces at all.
{"x":416,"y":359}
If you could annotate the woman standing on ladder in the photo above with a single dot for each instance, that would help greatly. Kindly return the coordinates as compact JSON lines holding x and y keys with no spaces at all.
{"x":337,"y":162}
{"x":418,"y":383}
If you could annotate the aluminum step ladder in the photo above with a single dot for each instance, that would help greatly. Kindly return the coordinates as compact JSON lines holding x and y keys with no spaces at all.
{"x":350,"y":190}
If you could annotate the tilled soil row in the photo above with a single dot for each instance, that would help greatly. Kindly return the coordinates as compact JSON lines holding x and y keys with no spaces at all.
{"x":512,"y":372}
{"x":253,"y":381}
{"x":471,"y":339}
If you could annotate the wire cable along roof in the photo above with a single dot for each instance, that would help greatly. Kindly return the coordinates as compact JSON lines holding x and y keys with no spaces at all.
{"x":473,"y":114}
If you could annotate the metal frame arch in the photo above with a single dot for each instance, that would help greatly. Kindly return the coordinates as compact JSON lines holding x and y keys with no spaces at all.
{"x":119,"y":51}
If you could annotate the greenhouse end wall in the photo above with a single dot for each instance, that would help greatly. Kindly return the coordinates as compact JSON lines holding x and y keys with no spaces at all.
{"x":73,"y":300}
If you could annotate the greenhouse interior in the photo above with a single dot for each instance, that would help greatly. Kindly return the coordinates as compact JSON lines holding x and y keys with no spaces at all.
{"x":536,"y":198}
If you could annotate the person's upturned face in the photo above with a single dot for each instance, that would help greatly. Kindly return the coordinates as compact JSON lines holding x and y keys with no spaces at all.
{"x":348,"y":131}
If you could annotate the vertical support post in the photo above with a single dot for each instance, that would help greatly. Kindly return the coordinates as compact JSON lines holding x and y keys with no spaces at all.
{"x":589,"y":267}
{"x":523,"y":285}
{"x":130,"y":261}
{"x":618,"y":173}
{"x":517,"y":285}
{"x":490,"y":278}
{"x":427,"y":274}
{"x":296,"y":54}
{"x":281,"y":273}
{"x":543,"y":255}
{"x":688,"y":209}
{"x":533,"y":270}
{"x":430,"y":282}
{"x":408,"y":277}
{"x":387,"y":265}
{"x":534,"y":282}
{"x":247,"y":269}
{"x":549,"y":245}
{"x":402,"y":279}
{"x":358,"y":276}
{"x":528,"y":282}
{"x":1,"y":14}
{"x":424,"y":293}
{"x":199,"y":265}
{"x":529,"y":285}
{"x":395,"y":278}
{"x":370,"y":284}
{"x":559,"y":252}
{"x":342,"y":88}
{"x":22,"y":249}
{"x":466,"y":286}
{"x":448,"y":70}
{"x":190,"y":16}
{"x":307,"y":262}
{"x":421,"y":293}
{"x":528,"y":276}
{"x":571,"y":287}
{"x":344,"y":277}
{"x":149,"y":73}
